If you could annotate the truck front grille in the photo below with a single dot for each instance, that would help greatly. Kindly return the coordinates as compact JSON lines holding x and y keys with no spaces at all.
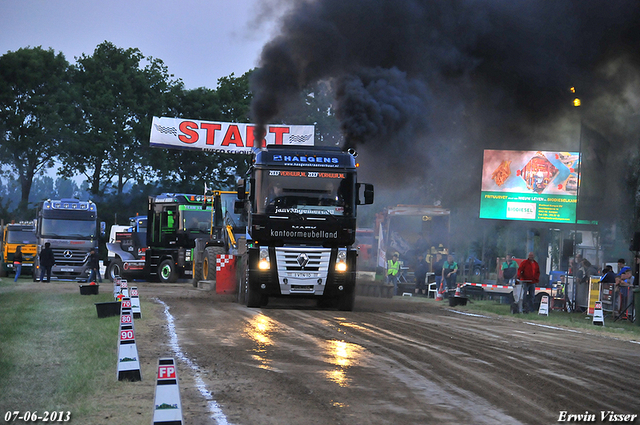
{"x":69,"y":257}
{"x":302,"y":270}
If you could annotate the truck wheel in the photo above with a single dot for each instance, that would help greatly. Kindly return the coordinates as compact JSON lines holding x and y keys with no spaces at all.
{"x":209,"y":262}
{"x":346,"y":301}
{"x":197,"y":273}
{"x":243,"y":276}
{"x":115,"y":269}
{"x":167,"y":271}
{"x":254,"y":299}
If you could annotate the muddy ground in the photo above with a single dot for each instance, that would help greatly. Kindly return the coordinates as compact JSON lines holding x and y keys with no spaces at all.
{"x":390,"y":361}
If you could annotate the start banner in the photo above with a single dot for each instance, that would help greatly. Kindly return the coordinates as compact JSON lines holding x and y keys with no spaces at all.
{"x":184,"y":133}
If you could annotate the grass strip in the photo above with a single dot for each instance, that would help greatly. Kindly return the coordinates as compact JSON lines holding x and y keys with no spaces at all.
{"x":557,"y":318}
{"x":54,"y":351}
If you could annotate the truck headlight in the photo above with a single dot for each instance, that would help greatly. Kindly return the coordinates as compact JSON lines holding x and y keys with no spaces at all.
{"x":264,"y":263}
{"x":341,"y":261}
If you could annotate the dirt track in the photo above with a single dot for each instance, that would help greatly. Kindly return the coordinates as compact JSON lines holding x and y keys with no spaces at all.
{"x":388,"y":362}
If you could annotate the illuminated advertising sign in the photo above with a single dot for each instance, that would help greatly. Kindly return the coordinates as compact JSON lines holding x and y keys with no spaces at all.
{"x":529,"y":185}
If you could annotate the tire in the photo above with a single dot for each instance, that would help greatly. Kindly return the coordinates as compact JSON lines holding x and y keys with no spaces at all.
{"x":197,"y":274}
{"x":209,"y":262}
{"x":346,"y":301}
{"x":325,"y":303}
{"x":254,"y":299}
{"x":167,"y":271}
{"x":243,"y":277}
{"x":115,"y":269}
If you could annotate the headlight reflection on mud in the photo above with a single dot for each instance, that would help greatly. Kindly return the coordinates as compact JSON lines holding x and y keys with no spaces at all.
{"x":343,"y":355}
{"x":259,"y":329}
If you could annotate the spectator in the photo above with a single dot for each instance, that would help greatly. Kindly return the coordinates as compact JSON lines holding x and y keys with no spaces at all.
{"x":509,"y":268}
{"x":450,"y":272}
{"x":393,"y":268}
{"x":529,"y":275}
{"x":47,"y":261}
{"x":94,"y":265}
{"x":623,"y":281}
{"x":420,"y":273}
{"x":576,"y":268}
{"x":17,"y":262}
{"x":608,"y":276}
{"x":437,"y":271}
{"x":588,"y":269}
{"x":621,"y":263}
{"x":575,"y":265}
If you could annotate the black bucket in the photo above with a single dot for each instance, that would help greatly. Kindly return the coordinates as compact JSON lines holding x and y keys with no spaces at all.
{"x":108,"y":309}
{"x":454,"y":301}
{"x":89,"y":289}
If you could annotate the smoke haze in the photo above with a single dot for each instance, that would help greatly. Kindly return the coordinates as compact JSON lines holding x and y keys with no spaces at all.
{"x":422,"y":87}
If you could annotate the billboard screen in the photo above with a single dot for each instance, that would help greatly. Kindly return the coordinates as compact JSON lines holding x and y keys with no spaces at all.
{"x":529,"y":185}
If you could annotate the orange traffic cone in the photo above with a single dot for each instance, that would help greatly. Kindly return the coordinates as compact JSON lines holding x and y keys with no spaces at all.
{"x":440,"y":293}
{"x":457,"y":294}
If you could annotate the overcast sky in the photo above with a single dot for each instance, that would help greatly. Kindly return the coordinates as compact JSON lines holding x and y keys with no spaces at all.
{"x":200,"y":41}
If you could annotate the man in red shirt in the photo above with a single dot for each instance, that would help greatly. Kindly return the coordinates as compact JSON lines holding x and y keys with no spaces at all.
{"x":529,"y":275}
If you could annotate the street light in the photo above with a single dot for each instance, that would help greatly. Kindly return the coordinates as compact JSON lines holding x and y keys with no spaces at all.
{"x":576,"y":101}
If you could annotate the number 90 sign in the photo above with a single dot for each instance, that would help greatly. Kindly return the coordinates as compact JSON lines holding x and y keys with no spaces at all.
{"x":126,"y":335}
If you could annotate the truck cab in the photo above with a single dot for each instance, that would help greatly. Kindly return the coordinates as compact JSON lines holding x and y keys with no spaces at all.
{"x":301,"y":208}
{"x":14,"y":235}
{"x":71,"y":227}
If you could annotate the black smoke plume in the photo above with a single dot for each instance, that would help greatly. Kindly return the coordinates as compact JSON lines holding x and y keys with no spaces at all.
{"x":423,"y":86}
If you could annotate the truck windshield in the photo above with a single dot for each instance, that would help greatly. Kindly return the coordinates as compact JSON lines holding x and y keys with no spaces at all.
{"x":305,"y":192}
{"x":21,"y":236}
{"x":227,"y":201}
{"x":196,"y":221}
{"x":70,"y":229}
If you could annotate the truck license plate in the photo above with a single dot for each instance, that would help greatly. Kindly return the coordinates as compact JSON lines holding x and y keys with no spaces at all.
{"x":302,"y":287}
{"x":299,"y":274}
{"x":66,"y":269}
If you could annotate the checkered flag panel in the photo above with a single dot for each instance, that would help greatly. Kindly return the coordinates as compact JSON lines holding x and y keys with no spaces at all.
{"x":166,"y":130}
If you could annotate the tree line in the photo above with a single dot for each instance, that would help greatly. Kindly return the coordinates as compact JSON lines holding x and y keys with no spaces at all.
{"x":92,"y":119}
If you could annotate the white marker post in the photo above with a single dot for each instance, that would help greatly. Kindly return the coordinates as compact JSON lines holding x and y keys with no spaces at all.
{"x":128,"y":362}
{"x":125,"y":306}
{"x":167,"y":408}
{"x":135,"y":302}
{"x":598,"y":316}
{"x":544,"y":306}
{"x":124,"y":288}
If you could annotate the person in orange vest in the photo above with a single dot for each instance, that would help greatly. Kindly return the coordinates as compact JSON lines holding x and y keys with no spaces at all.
{"x":393,"y":268}
{"x":529,"y":275}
